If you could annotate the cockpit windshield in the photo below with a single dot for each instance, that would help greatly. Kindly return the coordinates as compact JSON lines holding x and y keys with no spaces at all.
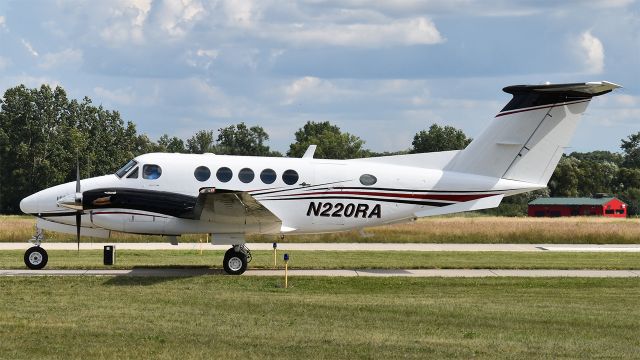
{"x":125,"y":169}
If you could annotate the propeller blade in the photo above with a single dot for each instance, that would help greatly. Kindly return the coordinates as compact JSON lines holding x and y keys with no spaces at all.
{"x":78,"y":222}
{"x":78,"y":213}
{"x":77,"y":174}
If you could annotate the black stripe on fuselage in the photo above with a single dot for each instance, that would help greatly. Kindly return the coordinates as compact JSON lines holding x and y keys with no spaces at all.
{"x":55,"y":214}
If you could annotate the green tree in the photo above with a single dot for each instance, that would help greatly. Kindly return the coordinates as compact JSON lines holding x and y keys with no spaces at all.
{"x":242,"y":140}
{"x":332,"y":143}
{"x":599,"y":156}
{"x":171,"y":144}
{"x":596,"y":177}
{"x":631,"y":148}
{"x":202,"y":142}
{"x":628,"y":178}
{"x":439,"y":138}
{"x":43,"y":134}
{"x":566,"y":177}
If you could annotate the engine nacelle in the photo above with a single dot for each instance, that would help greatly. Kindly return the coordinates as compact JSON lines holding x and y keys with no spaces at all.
{"x":131,"y":222}
{"x":140,"y":222}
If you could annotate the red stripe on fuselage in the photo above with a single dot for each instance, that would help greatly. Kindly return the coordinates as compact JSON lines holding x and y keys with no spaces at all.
{"x":447,"y":197}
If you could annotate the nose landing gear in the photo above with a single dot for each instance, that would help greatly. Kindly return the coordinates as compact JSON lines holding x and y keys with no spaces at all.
{"x":36,"y":257}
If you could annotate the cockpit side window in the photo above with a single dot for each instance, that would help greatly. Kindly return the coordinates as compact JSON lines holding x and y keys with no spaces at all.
{"x":133,"y":174}
{"x":151,"y":172}
{"x":125,"y":169}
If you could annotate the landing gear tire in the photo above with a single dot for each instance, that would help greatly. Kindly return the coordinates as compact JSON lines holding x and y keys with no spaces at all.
{"x":35,"y":258}
{"x":235,"y":262}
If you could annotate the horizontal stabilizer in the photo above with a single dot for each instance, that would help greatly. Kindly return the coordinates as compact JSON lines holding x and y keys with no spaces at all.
{"x":484,"y":203}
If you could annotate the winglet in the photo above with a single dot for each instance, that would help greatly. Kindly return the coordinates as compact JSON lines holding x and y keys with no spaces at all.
{"x":310,"y":151}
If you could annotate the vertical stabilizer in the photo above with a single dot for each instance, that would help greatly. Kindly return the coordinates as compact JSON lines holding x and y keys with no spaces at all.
{"x":525,"y":141}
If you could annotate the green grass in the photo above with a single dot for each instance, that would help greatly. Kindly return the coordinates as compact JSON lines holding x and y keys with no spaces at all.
{"x":127,"y":259}
{"x":318,"y":318}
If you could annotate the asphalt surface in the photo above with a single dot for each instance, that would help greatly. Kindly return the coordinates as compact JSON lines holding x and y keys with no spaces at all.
{"x":448,"y":273}
{"x":336,"y":247}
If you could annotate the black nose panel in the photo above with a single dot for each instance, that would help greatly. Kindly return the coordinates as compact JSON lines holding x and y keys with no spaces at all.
{"x":162,"y":202}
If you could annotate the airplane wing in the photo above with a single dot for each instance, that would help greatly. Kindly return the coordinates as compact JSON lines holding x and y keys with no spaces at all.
{"x":232,"y":207}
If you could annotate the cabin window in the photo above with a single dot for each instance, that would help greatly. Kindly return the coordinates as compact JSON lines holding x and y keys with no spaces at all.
{"x":202,"y":173}
{"x":290,"y":177}
{"x":609,"y":212}
{"x":368,"y":180}
{"x":246,"y":175}
{"x":133,"y":174}
{"x":125,"y":169}
{"x":151,"y":172}
{"x":224,"y":174}
{"x":268,"y":176}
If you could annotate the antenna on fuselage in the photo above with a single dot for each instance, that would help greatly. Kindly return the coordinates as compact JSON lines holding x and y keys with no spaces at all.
{"x":310,"y":151}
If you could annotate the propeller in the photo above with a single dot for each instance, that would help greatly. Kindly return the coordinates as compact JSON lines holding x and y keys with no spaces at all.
{"x":74,"y":202}
{"x":78,"y":199}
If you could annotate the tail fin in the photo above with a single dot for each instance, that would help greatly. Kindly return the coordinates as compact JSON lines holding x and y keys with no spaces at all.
{"x":526,"y":139}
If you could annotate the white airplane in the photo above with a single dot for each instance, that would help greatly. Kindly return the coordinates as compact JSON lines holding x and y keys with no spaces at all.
{"x":232,"y":196}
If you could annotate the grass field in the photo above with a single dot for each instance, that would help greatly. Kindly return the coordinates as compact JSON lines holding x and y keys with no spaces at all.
{"x":318,"y":318}
{"x":460,"y":229}
{"x":127,"y":259}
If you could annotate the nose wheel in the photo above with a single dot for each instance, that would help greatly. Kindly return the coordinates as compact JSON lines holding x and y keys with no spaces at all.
{"x":236,"y":260}
{"x":36,"y":258}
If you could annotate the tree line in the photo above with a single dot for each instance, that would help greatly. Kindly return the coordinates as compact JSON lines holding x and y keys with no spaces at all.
{"x":43,"y":133}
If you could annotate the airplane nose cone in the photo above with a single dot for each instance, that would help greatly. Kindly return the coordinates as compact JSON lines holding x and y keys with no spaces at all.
{"x":29,"y":205}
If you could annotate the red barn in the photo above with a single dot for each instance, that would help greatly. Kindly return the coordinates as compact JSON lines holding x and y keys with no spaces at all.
{"x":596,"y":206}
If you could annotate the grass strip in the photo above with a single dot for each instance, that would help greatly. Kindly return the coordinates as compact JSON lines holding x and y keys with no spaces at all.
{"x":318,"y":318}
{"x":458,"y":229}
{"x":127,"y":259}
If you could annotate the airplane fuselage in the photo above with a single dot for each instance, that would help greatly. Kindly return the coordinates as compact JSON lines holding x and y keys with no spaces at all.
{"x":326,"y":196}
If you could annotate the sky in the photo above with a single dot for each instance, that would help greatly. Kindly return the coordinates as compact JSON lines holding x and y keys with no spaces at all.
{"x":381,"y":70}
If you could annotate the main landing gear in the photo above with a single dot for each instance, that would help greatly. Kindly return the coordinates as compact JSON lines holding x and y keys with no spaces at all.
{"x":236,"y":260}
{"x":36,"y":257}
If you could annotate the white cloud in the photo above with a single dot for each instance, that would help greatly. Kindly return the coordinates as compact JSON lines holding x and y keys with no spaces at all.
{"x":626,"y":100}
{"x":241,"y":13}
{"x":415,"y":31}
{"x":126,"y":20}
{"x":610,"y":3}
{"x":63,"y":58}
{"x":210,"y":53}
{"x":592,"y":53}
{"x":176,"y":18}
{"x":311,"y":88}
{"x":203,"y":58}
{"x":119,"y":96}
{"x":29,"y":48}
{"x":3,"y":23}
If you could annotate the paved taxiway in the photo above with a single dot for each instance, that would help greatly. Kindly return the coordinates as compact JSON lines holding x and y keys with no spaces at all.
{"x":337,"y":247}
{"x":191,"y":272}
